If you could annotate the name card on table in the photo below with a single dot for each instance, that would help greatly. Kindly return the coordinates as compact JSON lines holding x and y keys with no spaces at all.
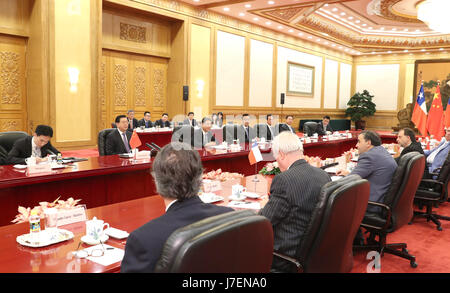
{"x":142,"y":155}
{"x":39,"y":168}
{"x":66,"y":217}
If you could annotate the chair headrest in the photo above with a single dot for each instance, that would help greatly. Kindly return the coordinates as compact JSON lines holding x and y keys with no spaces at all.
{"x":198,"y":242}
{"x":7,"y":139}
{"x":318,"y":211}
{"x":397,"y":178}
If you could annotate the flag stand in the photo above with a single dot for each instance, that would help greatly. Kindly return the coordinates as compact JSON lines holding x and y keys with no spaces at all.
{"x":255,"y":179}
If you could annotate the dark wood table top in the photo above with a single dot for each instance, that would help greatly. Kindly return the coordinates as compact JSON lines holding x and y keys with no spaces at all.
{"x":128,"y":216}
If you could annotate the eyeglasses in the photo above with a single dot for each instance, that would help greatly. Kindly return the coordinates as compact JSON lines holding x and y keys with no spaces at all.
{"x":98,"y":252}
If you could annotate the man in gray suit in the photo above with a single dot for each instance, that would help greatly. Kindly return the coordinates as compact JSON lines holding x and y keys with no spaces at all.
{"x":293,"y":197}
{"x":377,"y":166}
{"x":374,"y":164}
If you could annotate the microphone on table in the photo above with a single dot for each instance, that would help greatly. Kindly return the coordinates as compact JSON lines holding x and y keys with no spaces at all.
{"x":155,"y":146}
{"x":151,"y":147}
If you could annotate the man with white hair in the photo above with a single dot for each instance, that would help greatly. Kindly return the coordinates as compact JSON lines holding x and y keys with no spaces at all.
{"x":293,"y":197}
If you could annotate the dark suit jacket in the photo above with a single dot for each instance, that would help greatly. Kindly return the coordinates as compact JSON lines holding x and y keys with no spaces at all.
{"x":285,"y":127}
{"x":22,"y":150}
{"x":198,"y":139}
{"x":377,"y":166}
{"x":320,"y":130}
{"x":245,"y":136}
{"x":135,"y":124}
{"x":413,"y":147}
{"x":142,"y":123}
{"x":161,"y":124}
{"x":293,"y":197}
{"x":145,"y":244}
{"x":268,"y":132}
{"x":114,"y":143}
{"x":192,"y":123}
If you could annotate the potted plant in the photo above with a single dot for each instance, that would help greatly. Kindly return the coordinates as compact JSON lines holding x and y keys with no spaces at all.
{"x":360,"y":106}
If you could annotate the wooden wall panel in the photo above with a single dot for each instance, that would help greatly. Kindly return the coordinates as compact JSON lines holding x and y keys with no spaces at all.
{"x":132,"y":82}
{"x":13,"y":99}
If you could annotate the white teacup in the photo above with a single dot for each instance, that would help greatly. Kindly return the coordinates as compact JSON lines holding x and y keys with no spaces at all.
{"x":31,"y":161}
{"x":263,"y":140}
{"x":238,"y":189}
{"x":95,"y":228}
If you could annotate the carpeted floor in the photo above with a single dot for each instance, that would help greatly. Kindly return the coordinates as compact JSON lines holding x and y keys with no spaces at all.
{"x":425,"y":242}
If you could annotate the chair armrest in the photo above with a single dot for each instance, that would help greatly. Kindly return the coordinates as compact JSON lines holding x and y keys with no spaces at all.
{"x":432,"y":181}
{"x":387,"y":208}
{"x":290,"y":259}
{"x":436,"y":171}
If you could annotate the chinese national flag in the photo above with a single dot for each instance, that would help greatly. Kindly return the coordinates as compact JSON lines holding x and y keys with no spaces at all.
{"x":435,"y":121}
{"x":447,"y":115}
{"x":134,"y":140}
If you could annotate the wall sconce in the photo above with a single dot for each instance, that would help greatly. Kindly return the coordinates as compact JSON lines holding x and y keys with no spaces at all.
{"x":73,"y":78}
{"x":200,"y":86}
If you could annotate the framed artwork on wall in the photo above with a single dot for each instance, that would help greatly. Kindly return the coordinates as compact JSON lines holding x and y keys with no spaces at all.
{"x":300,"y":80}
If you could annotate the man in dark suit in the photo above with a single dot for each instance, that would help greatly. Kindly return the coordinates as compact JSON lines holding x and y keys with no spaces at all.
{"x":146,"y":121}
{"x":324,"y":126}
{"x":288,"y":125}
{"x":190,"y":120}
{"x":38,"y":146}
{"x":203,"y":137}
{"x":177,"y":170}
{"x":293,"y":197}
{"x":118,"y":141}
{"x":246,"y":133}
{"x":132,"y":122}
{"x":267,"y":131}
{"x":164,"y":121}
{"x":407,"y":140}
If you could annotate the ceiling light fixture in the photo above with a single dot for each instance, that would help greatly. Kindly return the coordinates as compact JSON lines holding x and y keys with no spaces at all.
{"x":270,"y":2}
{"x":226,"y":9}
{"x":435,"y":14}
{"x":248,"y":5}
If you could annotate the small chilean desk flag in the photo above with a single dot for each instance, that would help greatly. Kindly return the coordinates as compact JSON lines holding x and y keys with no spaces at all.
{"x":255,"y":155}
{"x":435,"y":121}
{"x":134,"y":140}
{"x":419,"y":116}
{"x":447,"y":115}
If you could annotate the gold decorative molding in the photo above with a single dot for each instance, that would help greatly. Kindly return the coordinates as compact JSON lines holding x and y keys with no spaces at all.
{"x":101,"y":88}
{"x":139,"y":87}
{"x":10,"y":125}
{"x":120,"y":85}
{"x":133,"y":33}
{"x":159,"y":86}
{"x":10,"y":75}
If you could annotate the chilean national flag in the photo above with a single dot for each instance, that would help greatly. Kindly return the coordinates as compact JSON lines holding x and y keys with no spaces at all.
{"x":134,"y":140}
{"x":255,"y":155}
{"x":419,"y":116}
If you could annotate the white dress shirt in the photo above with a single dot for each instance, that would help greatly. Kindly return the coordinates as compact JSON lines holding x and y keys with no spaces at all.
{"x":35,"y":150}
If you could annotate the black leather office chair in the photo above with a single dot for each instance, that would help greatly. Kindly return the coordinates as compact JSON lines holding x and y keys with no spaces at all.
{"x":432,"y":192}
{"x":234,"y":242}
{"x":183,"y":133}
{"x":397,"y":208}
{"x":101,"y":141}
{"x":310,"y":128}
{"x":263,"y":131}
{"x":7,"y":140}
{"x":327,"y":244}
{"x":229,"y":132}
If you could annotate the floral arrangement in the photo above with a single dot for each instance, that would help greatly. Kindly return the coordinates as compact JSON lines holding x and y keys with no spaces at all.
{"x":270,"y":169}
{"x":221,"y":176}
{"x":314,"y":161}
{"x":24,"y":213}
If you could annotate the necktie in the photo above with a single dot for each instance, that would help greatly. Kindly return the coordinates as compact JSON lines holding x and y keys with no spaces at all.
{"x":246,"y":130}
{"x":125,"y":141}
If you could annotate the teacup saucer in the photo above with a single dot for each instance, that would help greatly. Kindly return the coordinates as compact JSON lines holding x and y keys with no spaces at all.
{"x":88,"y":240}
{"x":238,"y":198}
